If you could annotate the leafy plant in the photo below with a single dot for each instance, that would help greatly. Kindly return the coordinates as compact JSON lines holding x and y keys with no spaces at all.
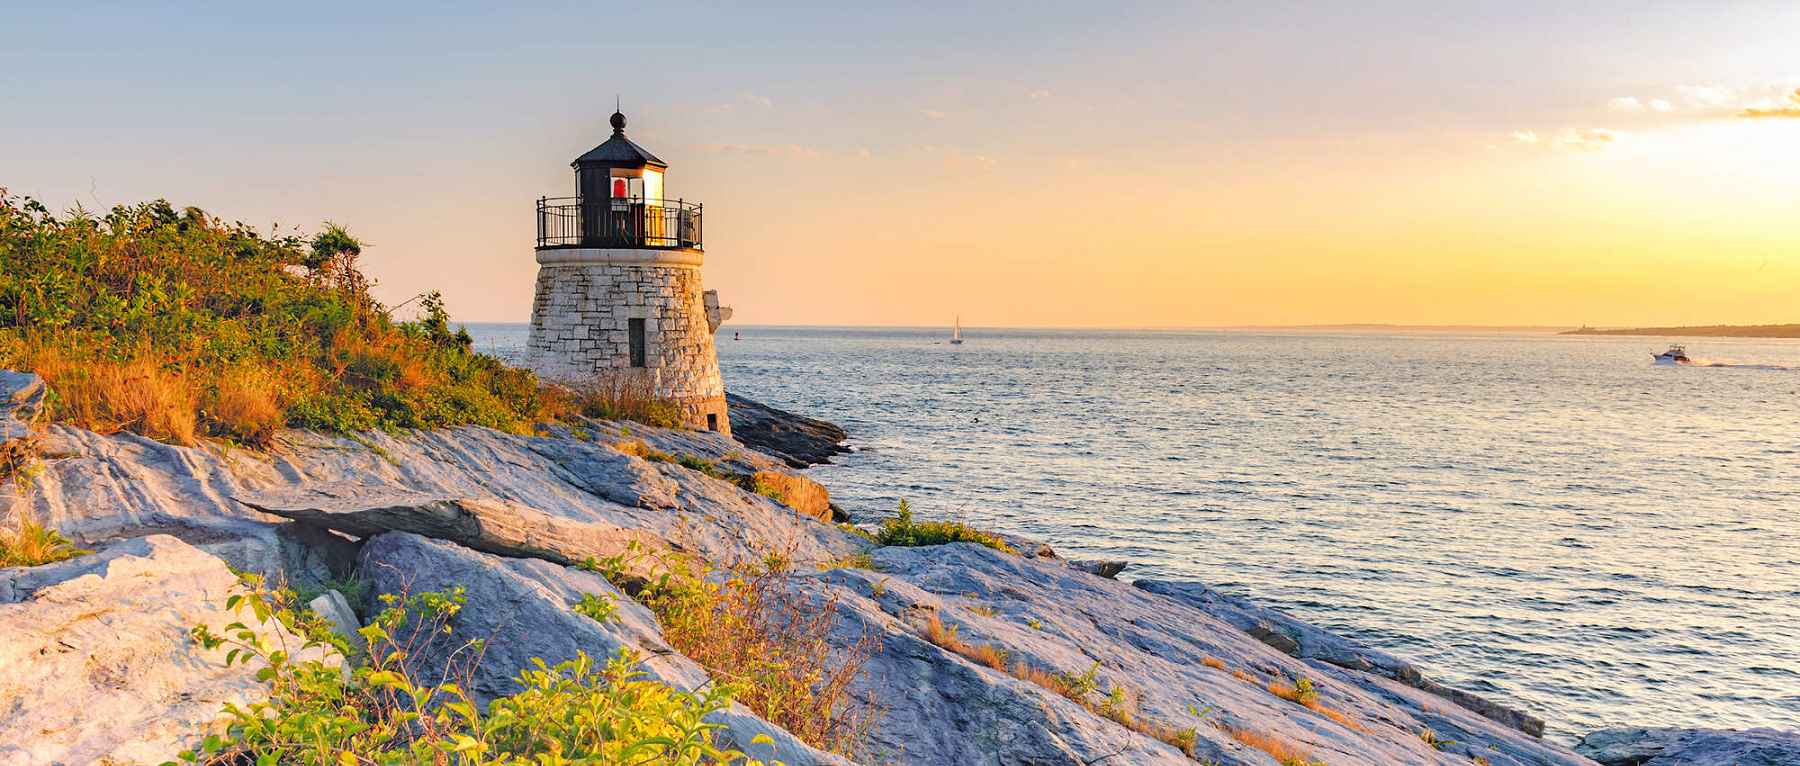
{"x":575,"y":712}
{"x":902,"y":530}
{"x":599,"y":608}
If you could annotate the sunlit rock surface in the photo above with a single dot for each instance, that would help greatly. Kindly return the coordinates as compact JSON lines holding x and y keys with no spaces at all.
{"x":95,"y":658}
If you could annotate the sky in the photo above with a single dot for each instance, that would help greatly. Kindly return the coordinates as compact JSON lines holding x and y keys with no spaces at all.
{"x":1026,"y":164}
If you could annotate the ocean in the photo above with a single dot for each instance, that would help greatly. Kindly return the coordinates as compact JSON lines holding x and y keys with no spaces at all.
{"x":1549,"y":521}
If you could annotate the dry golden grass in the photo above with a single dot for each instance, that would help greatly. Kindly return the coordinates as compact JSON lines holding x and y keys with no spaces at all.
{"x":772,"y":642}
{"x":1284,"y":752}
{"x":31,"y":544}
{"x":633,"y":447}
{"x":1214,"y":663}
{"x":245,"y":404}
{"x":1294,"y":694}
{"x":626,"y":396}
{"x":797,"y":492}
{"x":1245,"y":677}
{"x":106,"y":397}
{"x":982,"y":654}
{"x":1053,"y":681}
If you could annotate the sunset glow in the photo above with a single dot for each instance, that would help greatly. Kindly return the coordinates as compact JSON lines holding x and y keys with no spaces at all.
{"x":1160,"y":167}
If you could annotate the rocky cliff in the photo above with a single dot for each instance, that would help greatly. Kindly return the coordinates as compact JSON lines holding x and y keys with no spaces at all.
{"x":971,"y":655}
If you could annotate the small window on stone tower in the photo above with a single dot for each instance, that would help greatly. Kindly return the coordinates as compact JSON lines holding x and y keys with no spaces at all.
{"x":712,"y":421}
{"x":636,"y":329}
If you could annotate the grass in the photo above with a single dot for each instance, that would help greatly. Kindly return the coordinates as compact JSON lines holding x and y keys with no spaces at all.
{"x":1431,"y":738}
{"x":902,"y":530}
{"x":32,"y":544}
{"x":755,"y":631}
{"x":1302,"y":693}
{"x":355,"y":591}
{"x":637,"y":448}
{"x":1117,"y":706}
{"x":177,"y":326}
{"x":627,"y":396}
{"x":797,"y":492}
{"x":1284,"y":752}
{"x":852,"y":561}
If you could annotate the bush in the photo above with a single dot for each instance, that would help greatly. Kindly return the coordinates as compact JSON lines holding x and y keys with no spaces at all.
{"x":627,"y":396}
{"x":903,"y":531}
{"x":576,"y":712}
{"x":756,"y":631}
{"x":176,"y":325}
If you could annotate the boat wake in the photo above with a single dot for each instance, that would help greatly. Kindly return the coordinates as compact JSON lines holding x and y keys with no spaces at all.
{"x":1739,"y":365}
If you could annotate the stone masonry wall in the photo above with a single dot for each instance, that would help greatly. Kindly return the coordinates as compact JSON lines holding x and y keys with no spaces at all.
{"x":580,"y":331}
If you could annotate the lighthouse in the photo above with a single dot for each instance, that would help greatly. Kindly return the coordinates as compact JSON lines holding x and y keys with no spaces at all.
{"x":619,"y":299}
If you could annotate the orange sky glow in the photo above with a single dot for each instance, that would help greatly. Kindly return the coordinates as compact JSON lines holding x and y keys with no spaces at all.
{"x":1170,"y":167}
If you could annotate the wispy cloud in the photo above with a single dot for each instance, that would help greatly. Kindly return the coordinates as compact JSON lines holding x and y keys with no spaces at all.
{"x":1775,"y":98}
{"x":1040,"y":94}
{"x":1634,"y":105}
{"x":1790,"y":108}
{"x":934,"y":114}
{"x":1570,"y":140}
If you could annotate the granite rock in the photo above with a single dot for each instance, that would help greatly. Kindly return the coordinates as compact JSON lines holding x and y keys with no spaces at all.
{"x":520,"y":609}
{"x":799,"y":440}
{"x":98,"y":664}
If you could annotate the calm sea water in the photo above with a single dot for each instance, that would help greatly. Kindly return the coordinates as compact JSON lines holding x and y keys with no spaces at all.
{"x":1551,"y":521}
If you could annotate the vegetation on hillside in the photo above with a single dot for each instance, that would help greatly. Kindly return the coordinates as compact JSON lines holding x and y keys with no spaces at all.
{"x":1701,"y":331}
{"x":176,"y":325}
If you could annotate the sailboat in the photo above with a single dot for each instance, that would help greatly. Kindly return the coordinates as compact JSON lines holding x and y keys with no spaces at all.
{"x":956,"y":332}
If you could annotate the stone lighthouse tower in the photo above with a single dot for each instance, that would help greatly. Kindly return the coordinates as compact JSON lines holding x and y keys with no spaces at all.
{"x":619,"y":299}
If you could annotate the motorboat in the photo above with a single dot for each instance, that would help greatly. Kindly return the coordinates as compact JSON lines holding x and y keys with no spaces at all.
{"x":1675,"y":355}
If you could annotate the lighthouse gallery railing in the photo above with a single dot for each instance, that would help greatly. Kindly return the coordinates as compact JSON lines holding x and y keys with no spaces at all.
{"x":620,"y":222}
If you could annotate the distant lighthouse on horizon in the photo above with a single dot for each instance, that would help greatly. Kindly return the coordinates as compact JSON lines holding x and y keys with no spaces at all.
{"x":619,"y":297}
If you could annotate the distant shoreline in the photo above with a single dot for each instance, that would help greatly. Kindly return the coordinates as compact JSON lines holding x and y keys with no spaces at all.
{"x":1701,"y":331}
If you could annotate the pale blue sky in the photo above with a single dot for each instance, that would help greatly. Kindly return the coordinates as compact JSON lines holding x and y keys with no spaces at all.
{"x":813,"y":132}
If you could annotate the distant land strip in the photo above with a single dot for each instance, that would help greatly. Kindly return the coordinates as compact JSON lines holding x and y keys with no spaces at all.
{"x":1702,"y":331}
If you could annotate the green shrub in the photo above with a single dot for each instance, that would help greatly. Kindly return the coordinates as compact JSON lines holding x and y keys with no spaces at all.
{"x":903,"y":531}
{"x":176,"y":325}
{"x":576,"y":712}
{"x":599,"y":608}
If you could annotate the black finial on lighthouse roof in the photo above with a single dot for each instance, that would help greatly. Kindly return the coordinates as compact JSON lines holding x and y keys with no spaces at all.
{"x":619,"y":151}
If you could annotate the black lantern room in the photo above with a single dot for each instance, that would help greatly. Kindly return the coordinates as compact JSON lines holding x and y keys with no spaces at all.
{"x":619,"y":202}
{"x":618,"y":169}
